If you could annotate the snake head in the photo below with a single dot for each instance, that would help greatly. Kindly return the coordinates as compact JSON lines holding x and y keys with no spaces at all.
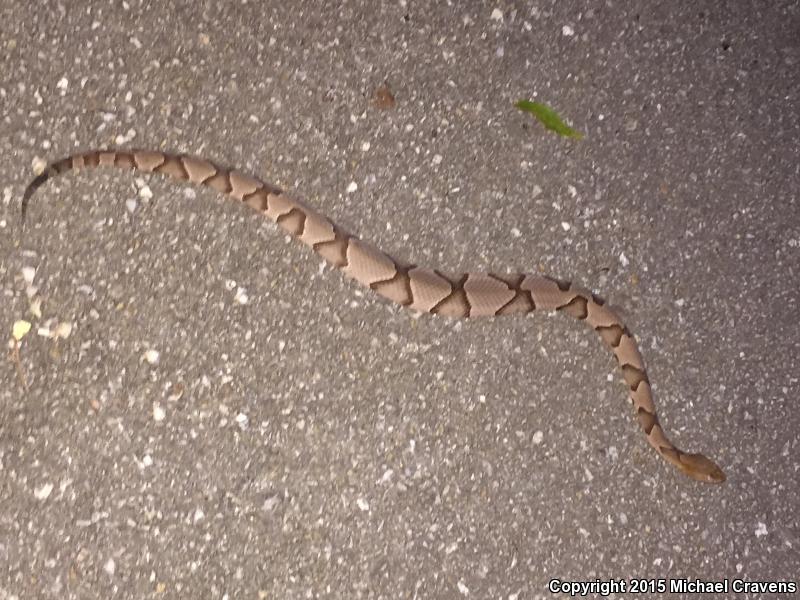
{"x":701,"y":468}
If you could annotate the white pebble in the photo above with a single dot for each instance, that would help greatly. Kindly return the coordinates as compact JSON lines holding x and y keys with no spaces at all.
{"x":241,"y":296}
{"x":365,"y":147}
{"x":537,"y":437}
{"x":463,"y":588}
{"x":159,"y":414}
{"x":516,"y":232}
{"x":761,"y":529}
{"x":110,"y":567}
{"x":28,"y":273}
{"x":43,"y":492}
{"x":270,"y":503}
{"x":152,"y":356}
{"x":38,"y":165}
{"x":145,"y":193}
{"x":352,"y":187}
{"x":63,"y":83}
{"x":567,"y":31}
{"x":565,"y":226}
{"x":130,"y":204}
{"x":363,"y":504}
{"x":497,"y":14}
{"x":62,"y":330}
{"x":623,"y":260}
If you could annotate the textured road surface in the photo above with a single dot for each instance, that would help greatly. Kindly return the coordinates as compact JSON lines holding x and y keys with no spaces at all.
{"x":227,"y":419}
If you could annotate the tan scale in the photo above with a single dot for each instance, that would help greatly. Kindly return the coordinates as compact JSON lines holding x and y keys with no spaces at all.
{"x":147,"y":161}
{"x":242,"y":185}
{"x":317,"y":229}
{"x":366,"y":264}
{"x":107,"y":158}
{"x":545,"y":293}
{"x":172,"y":167}
{"x":486,"y":295}
{"x":599,"y":315}
{"x":397,"y":289}
{"x":198,"y":169}
{"x":642,"y":397}
{"x":427,"y":288}
{"x":279,"y":205}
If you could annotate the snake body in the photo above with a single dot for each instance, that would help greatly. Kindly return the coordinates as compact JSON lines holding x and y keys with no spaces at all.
{"x":419,"y":288}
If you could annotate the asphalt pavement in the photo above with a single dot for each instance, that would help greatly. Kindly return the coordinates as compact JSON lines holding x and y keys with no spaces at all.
{"x":201,"y":410}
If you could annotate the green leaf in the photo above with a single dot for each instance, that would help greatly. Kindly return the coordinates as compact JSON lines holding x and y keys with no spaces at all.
{"x":548,"y":117}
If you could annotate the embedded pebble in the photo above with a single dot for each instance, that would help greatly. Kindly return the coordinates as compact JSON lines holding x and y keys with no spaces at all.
{"x":159,"y":414}
{"x":38,"y":165}
{"x":241,"y":296}
{"x":43,"y":492}
{"x":28,"y":273}
{"x":62,"y":330}
{"x":110,"y":567}
{"x":270,"y":503}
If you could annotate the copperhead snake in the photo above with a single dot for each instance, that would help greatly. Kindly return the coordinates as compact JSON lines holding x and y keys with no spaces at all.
{"x":422,"y":289}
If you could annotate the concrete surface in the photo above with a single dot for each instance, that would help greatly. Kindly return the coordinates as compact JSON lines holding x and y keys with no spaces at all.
{"x":297,"y":438}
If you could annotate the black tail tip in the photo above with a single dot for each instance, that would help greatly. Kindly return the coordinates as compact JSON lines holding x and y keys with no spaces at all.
{"x":32,"y":187}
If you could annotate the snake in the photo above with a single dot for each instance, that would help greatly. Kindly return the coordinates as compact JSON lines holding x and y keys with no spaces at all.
{"x":473,"y":294}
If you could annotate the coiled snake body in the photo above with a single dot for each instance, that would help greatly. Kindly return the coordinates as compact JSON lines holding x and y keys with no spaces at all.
{"x":468,"y":295}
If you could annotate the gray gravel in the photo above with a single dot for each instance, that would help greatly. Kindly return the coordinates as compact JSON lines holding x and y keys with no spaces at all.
{"x":226,"y":419}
